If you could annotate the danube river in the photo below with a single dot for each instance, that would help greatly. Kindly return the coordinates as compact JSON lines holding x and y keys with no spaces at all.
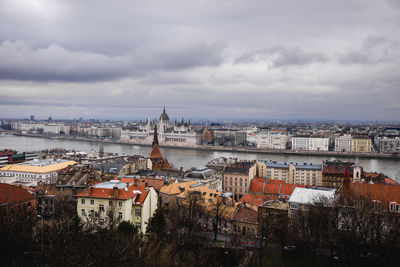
{"x":185,"y":158}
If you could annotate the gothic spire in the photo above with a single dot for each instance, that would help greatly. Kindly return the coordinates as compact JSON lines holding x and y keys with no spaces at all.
{"x":155,"y":138}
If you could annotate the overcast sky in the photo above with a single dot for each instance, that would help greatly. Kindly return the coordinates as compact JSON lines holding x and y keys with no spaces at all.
{"x":317,"y":59}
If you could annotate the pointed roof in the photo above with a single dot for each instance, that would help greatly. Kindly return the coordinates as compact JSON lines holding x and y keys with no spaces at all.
{"x":155,"y":153}
{"x":155,"y":137}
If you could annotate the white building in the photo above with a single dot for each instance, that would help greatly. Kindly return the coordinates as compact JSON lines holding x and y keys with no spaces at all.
{"x":117,"y":201}
{"x":177,"y":134}
{"x":310,"y":143}
{"x":272,"y":140}
{"x":302,"y":198}
{"x":56,"y":128}
{"x":344,"y":143}
{"x":35,"y":171}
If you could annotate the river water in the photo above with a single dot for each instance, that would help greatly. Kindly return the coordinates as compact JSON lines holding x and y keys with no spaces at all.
{"x":185,"y":158}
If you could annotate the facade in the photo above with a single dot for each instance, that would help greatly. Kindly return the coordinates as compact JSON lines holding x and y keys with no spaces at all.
{"x":240,"y":138}
{"x":310,"y":143}
{"x":177,"y":134}
{"x":333,"y":173}
{"x":245,"y":220}
{"x":237,"y":177}
{"x":302,"y":198}
{"x":272,"y":140}
{"x":116,"y":201}
{"x":291,"y":173}
{"x":344,"y":143}
{"x":35,"y":171}
{"x":362,"y":144}
{"x":388,"y":145}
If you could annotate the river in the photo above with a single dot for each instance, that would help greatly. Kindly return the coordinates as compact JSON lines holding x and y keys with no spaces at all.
{"x":185,"y":158}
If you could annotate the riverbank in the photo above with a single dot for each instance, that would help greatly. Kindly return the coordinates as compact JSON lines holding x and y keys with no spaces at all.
{"x":233,"y":149}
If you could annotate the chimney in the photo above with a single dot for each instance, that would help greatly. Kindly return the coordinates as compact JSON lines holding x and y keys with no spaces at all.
{"x":88,"y":189}
{"x":115,"y":192}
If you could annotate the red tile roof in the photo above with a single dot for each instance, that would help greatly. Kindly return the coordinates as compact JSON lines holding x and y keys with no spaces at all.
{"x":390,"y":181}
{"x":10,"y":194}
{"x":272,"y":187}
{"x":141,"y":198}
{"x":107,"y":193}
{"x":245,"y":214}
{"x":156,"y":183}
{"x":381,"y":192}
{"x":253,"y":199}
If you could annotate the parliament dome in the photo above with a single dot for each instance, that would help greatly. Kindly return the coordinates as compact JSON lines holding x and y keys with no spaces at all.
{"x":164,"y":116}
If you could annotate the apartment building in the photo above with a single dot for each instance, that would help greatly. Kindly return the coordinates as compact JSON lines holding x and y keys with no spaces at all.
{"x":272,"y":140}
{"x":310,"y":143}
{"x":291,"y":173}
{"x":237,"y":178}
{"x":344,"y":143}
{"x":362,"y":144}
{"x":115,"y":201}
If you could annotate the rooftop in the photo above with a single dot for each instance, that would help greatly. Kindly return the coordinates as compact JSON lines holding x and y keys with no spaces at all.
{"x":10,"y":194}
{"x":312,"y":195}
{"x":39,"y":166}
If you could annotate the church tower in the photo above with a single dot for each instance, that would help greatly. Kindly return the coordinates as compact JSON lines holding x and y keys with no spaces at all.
{"x":157,"y":159}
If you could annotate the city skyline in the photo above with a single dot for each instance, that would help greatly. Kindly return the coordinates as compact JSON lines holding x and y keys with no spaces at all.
{"x":320,"y":60}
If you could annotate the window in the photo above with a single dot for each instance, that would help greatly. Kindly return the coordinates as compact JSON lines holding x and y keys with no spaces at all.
{"x":91,"y":213}
{"x":138,"y":225}
{"x":92,"y":202}
{"x":120,"y":204}
{"x":120,"y":216}
{"x":138,"y":212}
{"x":83,"y":213}
{"x":294,"y":206}
{"x":82,"y":201}
{"x":394,"y":207}
{"x":101,"y":207}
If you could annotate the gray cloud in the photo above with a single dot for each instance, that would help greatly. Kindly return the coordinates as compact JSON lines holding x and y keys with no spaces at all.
{"x":280,"y":56}
{"x":55,"y":63}
{"x":99,"y":59}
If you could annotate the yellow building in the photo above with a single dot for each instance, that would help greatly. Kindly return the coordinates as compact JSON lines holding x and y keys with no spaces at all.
{"x":291,"y":173}
{"x":362,"y":145}
{"x":112,"y":202}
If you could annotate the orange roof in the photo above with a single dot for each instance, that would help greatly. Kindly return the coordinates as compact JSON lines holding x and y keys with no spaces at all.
{"x":173,"y":189}
{"x":155,"y":153}
{"x":10,"y":194}
{"x":274,"y":187}
{"x":382,"y":192}
{"x":140,"y":198}
{"x":390,"y":181}
{"x":107,"y":193}
{"x":156,"y":183}
{"x":253,"y":199}
{"x":246,"y":214}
